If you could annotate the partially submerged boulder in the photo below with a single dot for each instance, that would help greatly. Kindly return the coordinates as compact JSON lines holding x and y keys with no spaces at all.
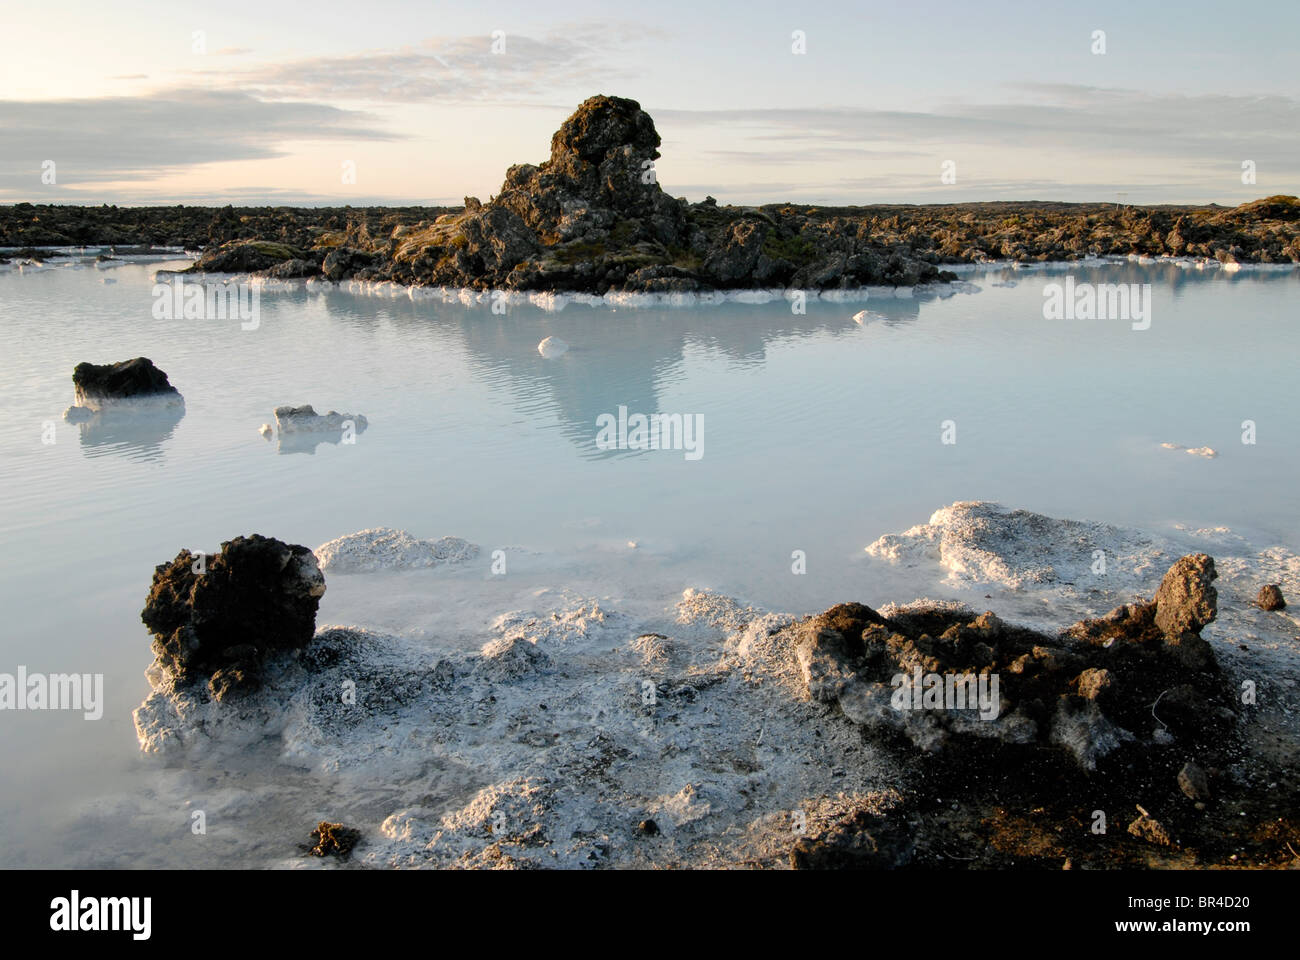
{"x":219,"y":617}
{"x":305,"y":419}
{"x":125,"y":384}
{"x":934,"y":674}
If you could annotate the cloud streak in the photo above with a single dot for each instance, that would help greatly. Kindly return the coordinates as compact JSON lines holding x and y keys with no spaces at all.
{"x":142,"y":138}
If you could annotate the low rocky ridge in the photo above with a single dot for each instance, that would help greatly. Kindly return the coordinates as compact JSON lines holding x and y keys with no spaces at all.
{"x":745,"y":738}
{"x":1089,"y":691}
{"x":592,"y":218}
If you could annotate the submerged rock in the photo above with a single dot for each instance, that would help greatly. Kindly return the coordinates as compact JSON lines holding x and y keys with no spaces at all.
{"x":552,"y":347}
{"x":219,"y":617}
{"x":305,"y":419}
{"x":384,"y":548}
{"x":128,"y":383}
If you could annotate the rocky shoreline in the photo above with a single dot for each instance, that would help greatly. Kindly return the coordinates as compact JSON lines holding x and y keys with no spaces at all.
{"x":594,"y":219}
{"x":719,"y":735}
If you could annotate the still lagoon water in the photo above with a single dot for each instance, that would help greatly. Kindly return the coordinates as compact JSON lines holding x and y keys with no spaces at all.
{"x":818,"y":433}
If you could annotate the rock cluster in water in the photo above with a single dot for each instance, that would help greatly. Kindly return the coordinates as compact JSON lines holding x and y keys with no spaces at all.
{"x":1142,"y":674}
{"x":218,"y":617}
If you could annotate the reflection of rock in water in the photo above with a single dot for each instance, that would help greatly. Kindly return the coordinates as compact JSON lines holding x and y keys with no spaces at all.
{"x":625,"y":357}
{"x":139,"y":433}
{"x":307,"y":442}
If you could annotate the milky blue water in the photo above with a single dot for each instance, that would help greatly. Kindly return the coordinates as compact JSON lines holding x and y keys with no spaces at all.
{"x":820,"y":434}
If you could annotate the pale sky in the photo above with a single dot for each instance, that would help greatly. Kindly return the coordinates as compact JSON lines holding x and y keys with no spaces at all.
{"x":270,"y":102}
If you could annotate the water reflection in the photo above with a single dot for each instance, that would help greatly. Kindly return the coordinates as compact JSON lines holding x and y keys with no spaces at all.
{"x":630,"y":357}
{"x":136,"y":434}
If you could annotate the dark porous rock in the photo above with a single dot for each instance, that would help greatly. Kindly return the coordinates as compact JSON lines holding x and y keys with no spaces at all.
{"x":1187,"y":600}
{"x":938,"y":674}
{"x":128,"y":380}
{"x":1270,"y":597}
{"x":1193,"y":781}
{"x":862,"y":840}
{"x":343,"y":262}
{"x":219,"y":617}
{"x":294,"y":269}
{"x":333,"y":839}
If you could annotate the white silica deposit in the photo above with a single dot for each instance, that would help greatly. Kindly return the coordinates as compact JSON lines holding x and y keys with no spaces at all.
{"x":305,"y":419}
{"x":563,"y":725}
{"x":143,"y":405}
{"x":384,"y":548}
{"x":552,"y":347}
{"x":1048,"y":572}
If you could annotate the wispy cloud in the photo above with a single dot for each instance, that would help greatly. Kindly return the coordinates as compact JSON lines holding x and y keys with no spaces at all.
{"x":464,"y":69}
{"x":142,"y":138}
{"x":1084,"y":119}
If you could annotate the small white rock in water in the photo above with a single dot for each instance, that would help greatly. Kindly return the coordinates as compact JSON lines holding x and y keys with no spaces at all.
{"x":865,"y":317}
{"x":265,"y":430}
{"x":107,"y":280}
{"x":1208,"y":452}
{"x":552,"y":347}
{"x":385,"y":548}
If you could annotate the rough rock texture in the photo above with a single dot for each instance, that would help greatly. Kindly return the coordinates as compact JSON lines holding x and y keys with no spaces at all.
{"x":305,"y":419}
{"x":97,"y":385}
{"x":577,"y":721}
{"x":1147,"y":828}
{"x":219,"y":617}
{"x":1187,"y":600}
{"x":1089,"y":691}
{"x":249,"y":256}
{"x":864,"y":839}
{"x":333,"y":839}
{"x":1270,"y":597}
{"x":384,"y":548}
{"x":1193,"y":781}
